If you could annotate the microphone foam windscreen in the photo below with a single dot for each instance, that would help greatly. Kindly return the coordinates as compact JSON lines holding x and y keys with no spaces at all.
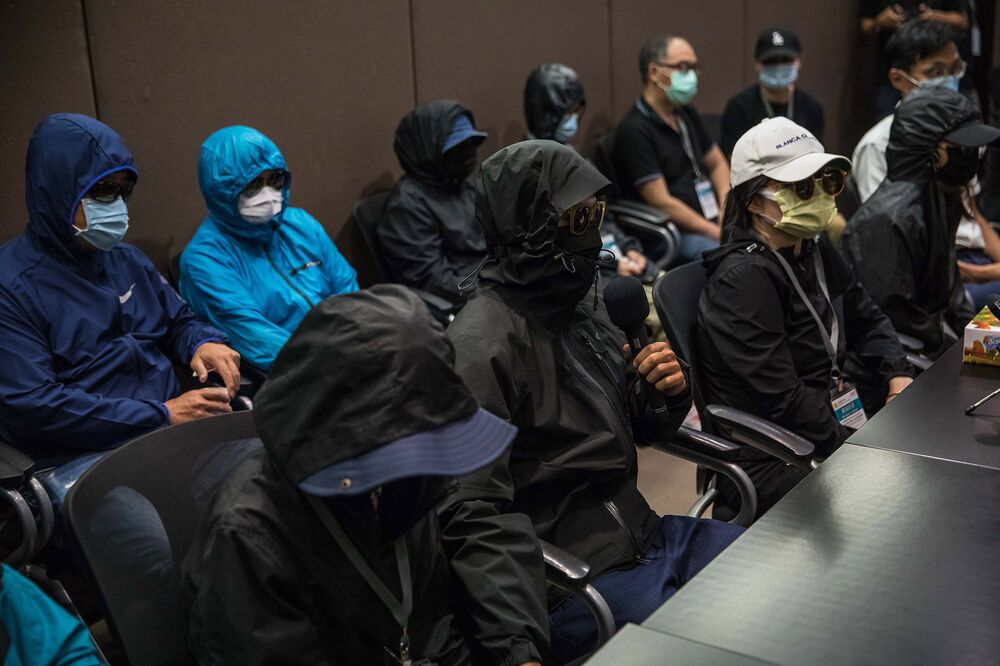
{"x":992,"y":302}
{"x":626,"y":301}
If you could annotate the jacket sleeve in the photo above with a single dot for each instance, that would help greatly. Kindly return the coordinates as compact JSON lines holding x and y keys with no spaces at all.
{"x":35,"y":405}
{"x":213,"y":286}
{"x":747,"y":327}
{"x":412,"y":243}
{"x":187,"y":331}
{"x":342,"y":276}
{"x":246,"y":608}
{"x":493,"y":550}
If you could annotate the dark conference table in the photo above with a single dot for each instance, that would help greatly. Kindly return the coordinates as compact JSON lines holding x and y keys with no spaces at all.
{"x":889,"y":553}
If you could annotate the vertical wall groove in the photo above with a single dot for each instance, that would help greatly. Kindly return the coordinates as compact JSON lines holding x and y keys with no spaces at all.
{"x":413,"y":56}
{"x":90,"y":57}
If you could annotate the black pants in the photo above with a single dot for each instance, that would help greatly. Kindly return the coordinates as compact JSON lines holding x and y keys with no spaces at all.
{"x":771,"y":477}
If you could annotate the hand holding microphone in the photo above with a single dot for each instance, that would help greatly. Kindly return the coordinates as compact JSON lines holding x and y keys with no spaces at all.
{"x":658,"y":364}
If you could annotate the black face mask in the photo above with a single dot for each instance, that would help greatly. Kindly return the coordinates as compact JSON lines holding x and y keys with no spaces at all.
{"x":459,"y":163}
{"x":962,"y":166}
{"x":579,"y":257}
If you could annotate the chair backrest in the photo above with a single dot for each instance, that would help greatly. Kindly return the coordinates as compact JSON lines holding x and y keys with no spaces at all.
{"x":675,"y":296}
{"x":368,"y":213}
{"x":134,"y":515}
{"x":604,"y":160}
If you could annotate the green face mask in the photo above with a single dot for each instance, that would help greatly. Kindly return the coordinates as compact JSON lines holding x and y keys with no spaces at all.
{"x":802,"y":218}
{"x":683,"y":87}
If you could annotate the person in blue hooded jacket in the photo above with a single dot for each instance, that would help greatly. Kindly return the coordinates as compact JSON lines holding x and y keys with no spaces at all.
{"x":89,"y":330}
{"x":256,"y":265}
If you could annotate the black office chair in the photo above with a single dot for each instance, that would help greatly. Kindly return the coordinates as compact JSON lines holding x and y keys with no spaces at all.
{"x":369,"y":213}
{"x":30,"y":520}
{"x":165,"y":482}
{"x":653,"y":229}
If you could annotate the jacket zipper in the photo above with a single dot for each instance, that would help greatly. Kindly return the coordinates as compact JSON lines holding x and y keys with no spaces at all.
{"x":285,"y":278}
{"x":308,"y":264}
{"x":586,"y":376}
{"x":616,"y":514}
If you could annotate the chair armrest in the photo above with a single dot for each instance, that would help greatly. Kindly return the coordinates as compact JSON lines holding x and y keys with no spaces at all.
{"x":570,"y":573}
{"x":434,"y":301}
{"x":910,"y":343}
{"x":764,"y":436}
{"x":15,"y":467}
{"x":921,"y":363}
{"x":638,"y":211}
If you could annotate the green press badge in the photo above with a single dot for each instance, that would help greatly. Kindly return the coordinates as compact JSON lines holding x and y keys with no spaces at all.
{"x":847,"y":407}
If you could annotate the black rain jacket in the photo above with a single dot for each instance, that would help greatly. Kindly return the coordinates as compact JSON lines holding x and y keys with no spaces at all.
{"x":534,"y":350}
{"x":760,"y":350}
{"x":901,"y":242}
{"x":429,"y":235}
{"x":550,"y":91}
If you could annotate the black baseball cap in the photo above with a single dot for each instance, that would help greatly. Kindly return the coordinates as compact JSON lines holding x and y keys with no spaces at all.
{"x":776,"y":42}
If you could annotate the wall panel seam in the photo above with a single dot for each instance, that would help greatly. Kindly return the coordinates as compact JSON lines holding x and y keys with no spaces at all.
{"x":413,"y":55}
{"x":90,"y":58}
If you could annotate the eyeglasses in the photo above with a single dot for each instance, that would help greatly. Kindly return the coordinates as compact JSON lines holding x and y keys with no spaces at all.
{"x":831,"y":181}
{"x":581,"y":217}
{"x":958,"y":71}
{"x":107,"y":190}
{"x":682,"y":67}
{"x":276,"y":179}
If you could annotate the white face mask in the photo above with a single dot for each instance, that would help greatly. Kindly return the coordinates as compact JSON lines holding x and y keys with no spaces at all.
{"x":261,"y":207}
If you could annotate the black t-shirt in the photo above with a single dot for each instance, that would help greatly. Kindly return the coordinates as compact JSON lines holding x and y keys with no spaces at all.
{"x":646,"y":147}
{"x":746,"y":109}
{"x":872,"y":8}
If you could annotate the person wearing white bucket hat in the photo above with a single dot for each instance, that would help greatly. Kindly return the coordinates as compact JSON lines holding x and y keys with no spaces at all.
{"x":785,"y":330}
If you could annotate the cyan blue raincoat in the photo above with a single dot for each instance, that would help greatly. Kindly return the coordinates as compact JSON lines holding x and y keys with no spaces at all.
{"x":255,"y":281}
{"x":87,"y":338}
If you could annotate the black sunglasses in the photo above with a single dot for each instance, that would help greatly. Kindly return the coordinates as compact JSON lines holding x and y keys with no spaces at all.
{"x":831,"y":181}
{"x":582,"y":217}
{"x":107,"y":191}
{"x":276,"y":179}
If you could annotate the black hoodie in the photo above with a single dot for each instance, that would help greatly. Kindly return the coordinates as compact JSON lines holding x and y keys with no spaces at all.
{"x":534,"y":350}
{"x":550,"y":91}
{"x":901,"y":242}
{"x":429,"y":235}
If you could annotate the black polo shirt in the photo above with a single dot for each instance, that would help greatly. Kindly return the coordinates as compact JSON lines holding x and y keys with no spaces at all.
{"x":746,"y":109}
{"x":646,"y":147}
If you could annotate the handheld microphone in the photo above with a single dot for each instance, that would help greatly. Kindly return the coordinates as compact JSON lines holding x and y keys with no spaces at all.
{"x":628,"y":308}
{"x":993,"y":303}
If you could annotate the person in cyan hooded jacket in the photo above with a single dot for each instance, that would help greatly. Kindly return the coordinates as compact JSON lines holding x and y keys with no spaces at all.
{"x":324,"y":547}
{"x":536,"y":347}
{"x":901,"y":242}
{"x":429,"y":234}
{"x":89,"y":330}
{"x":256,"y":264}
{"x":759,"y":346}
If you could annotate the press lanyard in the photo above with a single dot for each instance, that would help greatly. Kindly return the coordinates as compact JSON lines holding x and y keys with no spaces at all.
{"x":770,"y":110}
{"x":400,"y":609}
{"x":829,"y":339}
{"x":688,"y":146}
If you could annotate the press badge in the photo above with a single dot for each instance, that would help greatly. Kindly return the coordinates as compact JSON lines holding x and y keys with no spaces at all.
{"x":706,"y":198}
{"x":847,"y":406}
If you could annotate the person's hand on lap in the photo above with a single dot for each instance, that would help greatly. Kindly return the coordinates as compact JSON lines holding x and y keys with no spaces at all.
{"x":212,"y":356}
{"x":659,"y":366}
{"x":639,"y":260}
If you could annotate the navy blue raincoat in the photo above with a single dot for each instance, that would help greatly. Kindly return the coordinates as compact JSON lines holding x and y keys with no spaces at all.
{"x":87,"y":338}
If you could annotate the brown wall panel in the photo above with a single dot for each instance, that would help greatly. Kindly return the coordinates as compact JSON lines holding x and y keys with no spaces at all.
{"x":480,"y":53}
{"x":326,"y":81}
{"x":831,"y":60}
{"x":714,"y":28}
{"x":44,"y":69}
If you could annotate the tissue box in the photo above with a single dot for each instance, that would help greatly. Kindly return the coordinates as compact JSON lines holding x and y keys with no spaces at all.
{"x":982,"y":339}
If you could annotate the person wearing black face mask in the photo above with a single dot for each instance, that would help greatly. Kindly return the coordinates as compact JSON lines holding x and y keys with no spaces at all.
{"x":429,"y":234}
{"x":536,"y":347}
{"x":901,"y":242}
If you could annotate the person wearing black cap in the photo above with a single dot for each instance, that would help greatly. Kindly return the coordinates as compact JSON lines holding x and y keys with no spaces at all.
{"x":429,"y":234}
{"x":901,"y":242}
{"x":777,"y":59}
{"x":323,"y":547}
{"x":537,"y":349}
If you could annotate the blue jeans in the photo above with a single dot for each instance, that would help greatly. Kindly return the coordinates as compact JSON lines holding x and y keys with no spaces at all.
{"x":681,"y":549}
{"x":692,"y":246}
{"x":979,"y":291}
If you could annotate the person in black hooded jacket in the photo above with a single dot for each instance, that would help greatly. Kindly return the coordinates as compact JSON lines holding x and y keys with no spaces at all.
{"x":429,"y":234}
{"x":538,"y":350}
{"x":759,"y":346}
{"x":363,"y":421}
{"x":901,"y":242}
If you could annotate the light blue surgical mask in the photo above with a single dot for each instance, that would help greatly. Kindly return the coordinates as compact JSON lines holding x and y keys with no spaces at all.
{"x":683,"y":87}
{"x":779,"y":76}
{"x":567,"y":128}
{"x":106,"y":223}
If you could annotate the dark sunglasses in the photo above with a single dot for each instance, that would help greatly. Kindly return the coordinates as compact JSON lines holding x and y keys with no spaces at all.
{"x":275,"y":179}
{"x":832,"y":181}
{"x":582,"y":217}
{"x":107,"y":191}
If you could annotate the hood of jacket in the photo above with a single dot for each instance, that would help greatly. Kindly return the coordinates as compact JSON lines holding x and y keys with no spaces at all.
{"x":522,"y":191}
{"x":550,"y":91}
{"x":923,"y":119}
{"x":230,"y":159}
{"x":421,"y":136}
{"x":68,"y":153}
